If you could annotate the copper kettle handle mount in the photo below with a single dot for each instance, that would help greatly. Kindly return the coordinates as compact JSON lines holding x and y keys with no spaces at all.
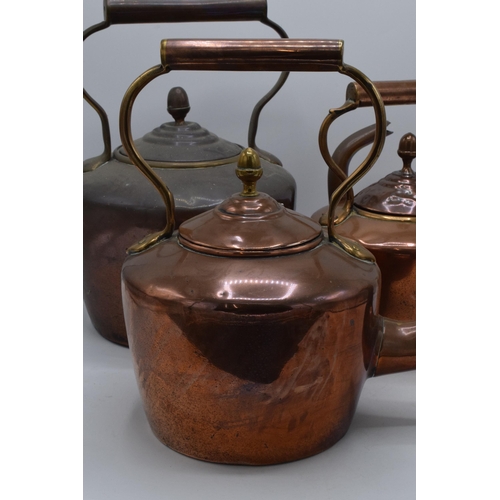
{"x":247,"y":55}
{"x":180,"y":11}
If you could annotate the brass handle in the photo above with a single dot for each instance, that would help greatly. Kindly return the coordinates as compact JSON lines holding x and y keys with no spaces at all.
{"x":134,"y":155}
{"x":345,"y":151}
{"x":177,"y":11}
{"x":348,"y":182}
{"x":96,"y":161}
{"x":252,"y":55}
{"x":245,"y":55}
{"x":393,"y":92}
{"x":180,"y":11}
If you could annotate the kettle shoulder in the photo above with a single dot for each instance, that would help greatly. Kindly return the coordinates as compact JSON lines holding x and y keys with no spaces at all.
{"x":168,"y":271}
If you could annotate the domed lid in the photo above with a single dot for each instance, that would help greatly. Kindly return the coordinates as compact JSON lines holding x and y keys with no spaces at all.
{"x":181,"y":143}
{"x":250,"y":223}
{"x":395,"y":194}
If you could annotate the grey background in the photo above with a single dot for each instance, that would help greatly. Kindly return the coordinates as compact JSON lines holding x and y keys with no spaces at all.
{"x":376,"y":459}
{"x":379,"y":40}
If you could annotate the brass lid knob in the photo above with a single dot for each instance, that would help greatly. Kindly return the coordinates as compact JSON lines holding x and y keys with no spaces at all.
{"x":250,"y":223}
{"x":407,"y":151}
{"x":182,"y":144}
{"x":249,"y":171}
{"x":178,"y":104}
{"x":396,"y":193}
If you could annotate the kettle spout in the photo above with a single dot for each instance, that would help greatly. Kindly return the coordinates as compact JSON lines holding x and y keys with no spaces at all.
{"x":398,"y":347}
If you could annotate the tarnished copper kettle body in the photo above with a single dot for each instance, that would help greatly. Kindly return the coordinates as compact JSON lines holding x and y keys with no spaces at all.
{"x":382,"y":216}
{"x":251,"y":332}
{"x":120,"y":208}
{"x":118,"y":205}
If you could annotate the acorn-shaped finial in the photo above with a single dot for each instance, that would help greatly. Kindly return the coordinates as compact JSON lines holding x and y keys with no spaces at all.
{"x":407,"y":151}
{"x":249,"y":171}
{"x":178,"y":104}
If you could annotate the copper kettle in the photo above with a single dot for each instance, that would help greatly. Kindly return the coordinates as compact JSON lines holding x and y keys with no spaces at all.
{"x":382,"y":216}
{"x":118,"y":207}
{"x":252,"y":332}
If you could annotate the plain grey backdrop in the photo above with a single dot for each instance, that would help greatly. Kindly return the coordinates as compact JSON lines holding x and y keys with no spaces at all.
{"x":379,"y":40}
{"x":376,"y":459}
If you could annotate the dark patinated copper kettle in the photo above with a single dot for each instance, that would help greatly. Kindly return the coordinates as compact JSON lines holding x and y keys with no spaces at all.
{"x":118,"y":207}
{"x":252,"y":332}
{"x":382,"y":216}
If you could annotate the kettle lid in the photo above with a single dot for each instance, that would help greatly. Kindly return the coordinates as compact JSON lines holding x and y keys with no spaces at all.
{"x":396,"y":193}
{"x":250,"y":223}
{"x":182,"y":143}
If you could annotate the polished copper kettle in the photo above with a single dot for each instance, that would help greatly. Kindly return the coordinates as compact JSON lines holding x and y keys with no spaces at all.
{"x":118,"y":207}
{"x":252,"y":332}
{"x":383,"y":216}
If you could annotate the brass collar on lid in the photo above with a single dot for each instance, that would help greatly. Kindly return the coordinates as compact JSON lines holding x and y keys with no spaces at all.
{"x":181,"y":143}
{"x":395,"y":194}
{"x":250,"y":223}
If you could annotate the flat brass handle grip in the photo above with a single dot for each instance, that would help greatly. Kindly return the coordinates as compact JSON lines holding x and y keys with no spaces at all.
{"x":182,"y":11}
{"x":252,"y":55}
{"x":393,"y":92}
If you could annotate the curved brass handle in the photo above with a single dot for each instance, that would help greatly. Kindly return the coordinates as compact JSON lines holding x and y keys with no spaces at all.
{"x":393,"y":93}
{"x":180,"y":11}
{"x":345,"y":151}
{"x":247,"y":55}
{"x":364,"y":167}
{"x":96,"y":161}
{"x":134,"y":155}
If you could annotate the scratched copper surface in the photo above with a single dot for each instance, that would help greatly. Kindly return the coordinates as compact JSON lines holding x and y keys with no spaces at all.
{"x":250,"y":360}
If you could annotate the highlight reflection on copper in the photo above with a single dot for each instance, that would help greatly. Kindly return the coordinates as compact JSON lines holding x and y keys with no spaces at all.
{"x":252,"y":290}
